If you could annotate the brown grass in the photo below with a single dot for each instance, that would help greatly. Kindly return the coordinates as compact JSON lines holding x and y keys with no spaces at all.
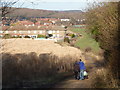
{"x":29,"y":60}
{"x":103,"y":78}
{"x":14,"y":46}
{"x":21,"y":67}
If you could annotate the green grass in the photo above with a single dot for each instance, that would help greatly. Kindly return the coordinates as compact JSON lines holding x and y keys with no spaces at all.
{"x":78,"y":30}
{"x":85,"y":41}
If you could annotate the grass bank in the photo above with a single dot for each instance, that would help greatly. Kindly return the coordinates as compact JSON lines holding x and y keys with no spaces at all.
{"x":86,"y":41}
{"x":34,"y":71}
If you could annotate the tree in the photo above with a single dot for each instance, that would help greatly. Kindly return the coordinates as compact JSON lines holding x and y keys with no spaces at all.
{"x":6,"y":6}
{"x":102,"y":21}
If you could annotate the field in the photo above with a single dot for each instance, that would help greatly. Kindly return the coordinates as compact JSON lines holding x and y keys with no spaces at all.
{"x":85,"y":41}
{"x":24,"y":61}
{"x":35,"y":63}
{"x":14,"y":46}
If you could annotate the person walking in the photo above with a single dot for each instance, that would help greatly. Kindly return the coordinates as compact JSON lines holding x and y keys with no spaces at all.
{"x":82,"y":68}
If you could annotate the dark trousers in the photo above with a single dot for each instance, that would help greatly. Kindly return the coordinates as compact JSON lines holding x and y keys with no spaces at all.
{"x":76,"y":73}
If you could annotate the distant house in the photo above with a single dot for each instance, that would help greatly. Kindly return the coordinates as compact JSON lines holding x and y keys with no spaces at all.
{"x":67,"y":20}
{"x":25,"y":23}
{"x":53,"y":20}
{"x":43,"y":19}
{"x":48,"y":23}
{"x":56,"y":31}
{"x":38,"y":23}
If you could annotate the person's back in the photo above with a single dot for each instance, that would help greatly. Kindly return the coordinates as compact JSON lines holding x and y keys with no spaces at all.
{"x":82,"y":68}
{"x":82,"y":65}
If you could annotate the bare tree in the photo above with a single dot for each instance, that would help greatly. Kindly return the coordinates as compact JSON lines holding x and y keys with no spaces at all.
{"x":6,"y":6}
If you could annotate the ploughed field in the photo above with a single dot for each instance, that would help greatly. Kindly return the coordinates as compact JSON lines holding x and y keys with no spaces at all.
{"x":14,"y":46}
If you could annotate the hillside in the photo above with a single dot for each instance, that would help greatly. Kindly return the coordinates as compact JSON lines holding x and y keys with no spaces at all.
{"x":26,"y":12}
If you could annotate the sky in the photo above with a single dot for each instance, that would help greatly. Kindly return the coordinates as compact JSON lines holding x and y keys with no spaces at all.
{"x":59,"y":5}
{"x":55,"y":4}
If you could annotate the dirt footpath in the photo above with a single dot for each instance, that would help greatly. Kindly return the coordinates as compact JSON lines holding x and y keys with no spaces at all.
{"x":72,"y":83}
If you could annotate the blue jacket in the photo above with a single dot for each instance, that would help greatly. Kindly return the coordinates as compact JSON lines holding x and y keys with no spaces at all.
{"x":82,"y":66}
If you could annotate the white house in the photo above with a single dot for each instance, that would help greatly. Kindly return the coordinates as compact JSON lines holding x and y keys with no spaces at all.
{"x":67,"y":20}
{"x":56,"y":31}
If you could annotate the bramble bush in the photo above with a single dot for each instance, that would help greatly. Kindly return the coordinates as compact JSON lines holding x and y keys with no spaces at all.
{"x":102,"y":22}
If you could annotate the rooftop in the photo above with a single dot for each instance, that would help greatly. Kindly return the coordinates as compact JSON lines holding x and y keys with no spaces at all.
{"x":42,"y":27}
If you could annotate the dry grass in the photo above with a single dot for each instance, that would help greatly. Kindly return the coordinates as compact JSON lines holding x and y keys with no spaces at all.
{"x":14,"y":46}
{"x":29,"y":60}
{"x":28,"y":67}
{"x":25,"y":60}
{"x":103,"y":78}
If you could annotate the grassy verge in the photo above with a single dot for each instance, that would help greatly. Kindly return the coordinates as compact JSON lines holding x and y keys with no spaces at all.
{"x":85,"y":41}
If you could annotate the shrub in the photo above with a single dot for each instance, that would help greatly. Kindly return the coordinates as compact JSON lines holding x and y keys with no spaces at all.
{"x":66,"y":39}
{"x":88,"y":49}
{"x":73,"y":35}
{"x":102,"y":21}
{"x":40,"y":36}
{"x":50,"y":35}
{"x":102,"y":76}
{"x":27,"y":36}
{"x":16,"y":37}
{"x":6,"y":36}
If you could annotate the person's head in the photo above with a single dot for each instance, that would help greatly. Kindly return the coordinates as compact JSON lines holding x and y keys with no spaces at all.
{"x":80,"y":60}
